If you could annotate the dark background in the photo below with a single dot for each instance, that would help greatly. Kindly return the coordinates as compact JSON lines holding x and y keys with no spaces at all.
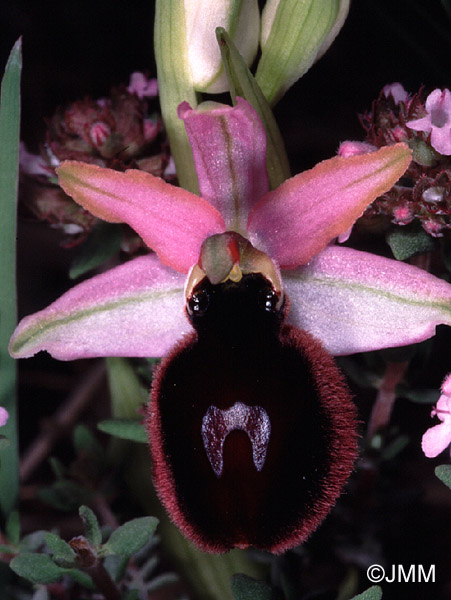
{"x":73,"y":49}
{"x":76,"y":48}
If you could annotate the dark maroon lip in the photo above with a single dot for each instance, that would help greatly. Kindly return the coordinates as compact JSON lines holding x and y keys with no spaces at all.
{"x":251,"y":426}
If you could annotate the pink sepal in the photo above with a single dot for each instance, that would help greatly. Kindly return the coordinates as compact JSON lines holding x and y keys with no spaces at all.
{"x":135,"y":309}
{"x":171,"y":221}
{"x":355,"y":301}
{"x":298,"y":219}
{"x":229,"y":148}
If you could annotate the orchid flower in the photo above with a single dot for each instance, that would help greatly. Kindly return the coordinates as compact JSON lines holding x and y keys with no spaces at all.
{"x":438,"y":438}
{"x":251,"y":426}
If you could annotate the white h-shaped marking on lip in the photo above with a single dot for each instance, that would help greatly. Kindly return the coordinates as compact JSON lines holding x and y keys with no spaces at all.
{"x":217,"y":424}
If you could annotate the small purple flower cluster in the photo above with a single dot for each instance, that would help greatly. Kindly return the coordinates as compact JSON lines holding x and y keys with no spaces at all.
{"x":424,"y":192}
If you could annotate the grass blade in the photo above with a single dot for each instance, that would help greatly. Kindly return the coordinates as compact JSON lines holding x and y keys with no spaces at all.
{"x":9,"y":172}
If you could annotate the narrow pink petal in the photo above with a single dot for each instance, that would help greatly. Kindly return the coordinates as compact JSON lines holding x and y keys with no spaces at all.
{"x":229,"y":148}
{"x":423,"y":124}
{"x":355,"y":301}
{"x":436,"y":439}
{"x":299,"y":218}
{"x":136,"y":309}
{"x":441,"y":139}
{"x":171,"y":221}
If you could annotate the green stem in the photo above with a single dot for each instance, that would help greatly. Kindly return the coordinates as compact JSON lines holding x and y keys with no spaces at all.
{"x":175,"y":84}
{"x":9,"y":172}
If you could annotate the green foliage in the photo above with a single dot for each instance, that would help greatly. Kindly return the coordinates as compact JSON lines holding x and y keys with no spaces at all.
{"x":65,"y":495}
{"x":13,"y":527}
{"x":49,"y":558}
{"x":372,"y":593}
{"x":102,"y":244}
{"x":9,"y":177}
{"x":63,"y":555}
{"x":127,"y":393}
{"x":86,"y":444}
{"x":443,"y":472}
{"x":40,"y":568}
{"x":419,"y":396}
{"x":91,"y":525}
{"x":243,"y":84}
{"x":131,"y":537}
{"x":408,"y":241}
{"x":125,"y":429}
{"x":247,"y":588}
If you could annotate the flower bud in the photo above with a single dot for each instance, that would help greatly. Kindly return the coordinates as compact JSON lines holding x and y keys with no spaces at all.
{"x":240,"y":19}
{"x":4,"y":416}
{"x":293,"y":36}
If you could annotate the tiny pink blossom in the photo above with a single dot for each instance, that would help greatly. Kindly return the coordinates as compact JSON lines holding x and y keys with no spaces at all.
{"x":399,"y":134}
{"x":396,"y":91}
{"x":402,"y":215}
{"x":4,"y":416}
{"x":437,"y":120}
{"x":99,"y":133}
{"x":151,"y":129}
{"x":437,"y":438}
{"x":142,"y":86}
{"x":434,"y":228}
{"x":353,"y":148}
{"x":446,"y":385}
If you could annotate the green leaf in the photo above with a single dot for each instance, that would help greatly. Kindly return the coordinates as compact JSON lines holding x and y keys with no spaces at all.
{"x":40,"y":568}
{"x":9,"y":174}
{"x":132,"y":595}
{"x":58,"y":469}
{"x":13,"y":527}
{"x":247,"y":588}
{"x":391,"y":450}
{"x":65,"y":495}
{"x":81,"y":577}
{"x":409,"y":240}
{"x":127,"y":393}
{"x":86,"y":443}
{"x":443,"y":472}
{"x":419,"y":396}
{"x":131,"y":430}
{"x":33,"y":541}
{"x":62,"y":553}
{"x":102,"y":244}
{"x":160,"y":581}
{"x":116,"y":566}
{"x":7,"y":549}
{"x":243,"y":84}
{"x":131,"y":536}
{"x":423,"y":154}
{"x":372,"y":593}
{"x":91,"y":525}
{"x":37,"y":568}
